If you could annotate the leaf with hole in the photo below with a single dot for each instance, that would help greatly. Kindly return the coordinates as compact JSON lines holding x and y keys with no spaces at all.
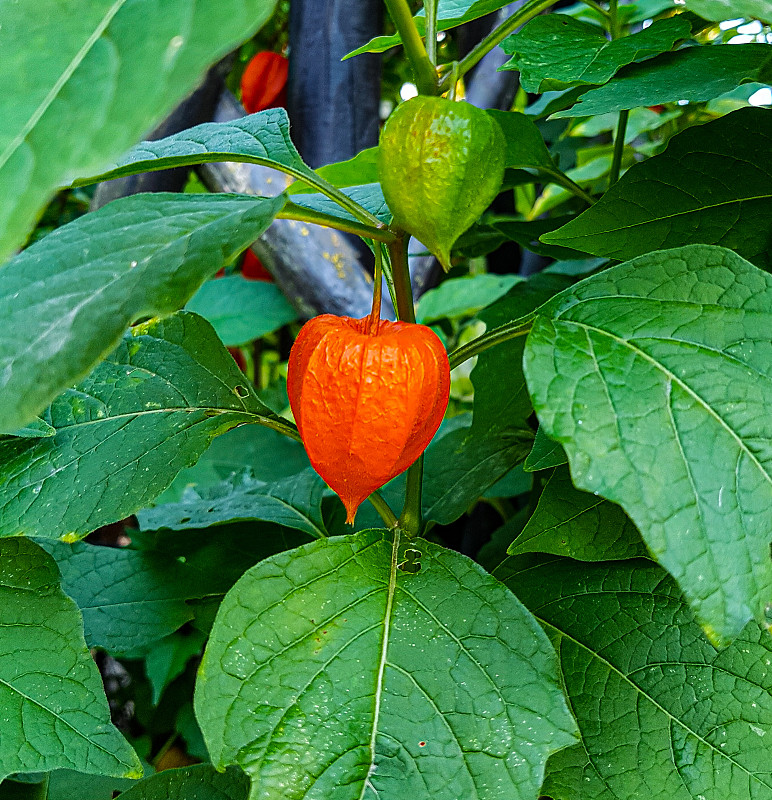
{"x":275,"y":694}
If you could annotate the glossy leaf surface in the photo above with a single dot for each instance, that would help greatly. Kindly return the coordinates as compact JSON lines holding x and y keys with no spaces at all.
{"x":694,"y":74}
{"x":712,"y":185}
{"x":199,"y":782}
{"x":66,"y":301}
{"x":124,"y":431}
{"x":275,"y":696}
{"x":662,"y":714}
{"x":654,"y":376}
{"x":52,"y":703}
{"x":241,"y":310}
{"x":293,"y":502}
{"x":555,"y":51}
{"x":569,"y":522}
{"x":103,"y":84}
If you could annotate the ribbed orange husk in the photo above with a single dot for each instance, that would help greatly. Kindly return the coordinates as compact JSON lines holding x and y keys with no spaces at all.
{"x":366,"y":404}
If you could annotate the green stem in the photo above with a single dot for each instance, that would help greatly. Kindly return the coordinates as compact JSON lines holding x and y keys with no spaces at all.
{"x":400,"y":274}
{"x":384,"y":511}
{"x":302,"y":214}
{"x":495,"y":37}
{"x":410,"y":518}
{"x":425,"y":73}
{"x":563,"y":180}
{"x":375,"y":311}
{"x":596,"y":7}
{"x":613,"y":19}
{"x":430,"y":9}
{"x":619,"y":147}
{"x":518,"y":327}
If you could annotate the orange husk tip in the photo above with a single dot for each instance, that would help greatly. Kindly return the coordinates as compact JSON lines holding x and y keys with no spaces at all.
{"x":367,"y":400}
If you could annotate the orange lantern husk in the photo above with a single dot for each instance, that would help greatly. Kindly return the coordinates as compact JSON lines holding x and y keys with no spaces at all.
{"x":264,"y":82}
{"x":367,"y":399}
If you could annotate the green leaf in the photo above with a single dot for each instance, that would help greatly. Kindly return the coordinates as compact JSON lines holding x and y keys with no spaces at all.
{"x":661,"y":713}
{"x":201,"y":782}
{"x":712,"y":185}
{"x":361,"y":169}
{"x":140,"y":256}
{"x":262,"y":138}
{"x":464,"y":296}
{"x":36,"y":428}
{"x":293,"y":502}
{"x":241,"y":310}
{"x":369,"y":196}
{"x":525,"y":145}
{"x":654,"y":376}
{"x":450,"y":14}
{"x":65,"y":784}
{"x":545,"y":453}
{"x":463,"y":464}
{"x":555,"y":51}
{"x":269,"y":455}
{"x":577,"y":524}
{"x":168,"y":658}
{"x":53,"y":706}
{"x":720,"y":10}
{"x":124,"y":431}
{"x":115,"y":70}
{"x":694,"y":74}
{"x":321,"y":677}
{"x":131,"y":597}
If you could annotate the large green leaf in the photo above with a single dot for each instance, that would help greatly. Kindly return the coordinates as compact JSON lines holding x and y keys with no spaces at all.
{"x":241,"y":310}
{"x":262,"y":138}
{"x":450,"y":14}
{"x":694,"y":74}
{"x":53,"y":708}
{"x":731,"y":9}
{"x":124,"y":431}
{"x":112,"y":69}
{"x":655,"y":376}
{"x":569,"y":522}
{"x":200,"y":782}
{"x":131,"y":597}
{"x":662,"y":714}
{"x":66,"y":301}
{"x":293,"y":502}
{"x":712,"y":185}
{"x":456,"y":297}
{"x":324,"y":677}
{"x":555,"y":51}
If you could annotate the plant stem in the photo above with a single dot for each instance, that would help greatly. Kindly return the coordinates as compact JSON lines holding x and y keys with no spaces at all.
{"x":384,"y":511}
{"x":400,"y":274}
{"x":375,"y":312}
{"x":563,"y":180}
{"x":495,"y":37}
{"x":302,"y":214}
{"x":518,"y":327}
{"x":619,"y":147}
{"x":596,"y":7}
{"x":410,"y":519}
{"x":430,"y":9}
{"x":425,"y":73}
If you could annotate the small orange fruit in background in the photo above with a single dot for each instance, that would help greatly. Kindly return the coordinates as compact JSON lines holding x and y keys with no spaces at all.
{"x":264,"y":82}
{"x":367,"y":399}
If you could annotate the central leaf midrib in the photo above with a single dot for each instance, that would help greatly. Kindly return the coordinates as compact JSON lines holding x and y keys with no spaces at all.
{"x":382,"y":659}
{"x":675,"y":379}
{"x":697,"y":210}
{"x":76,"y":61}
